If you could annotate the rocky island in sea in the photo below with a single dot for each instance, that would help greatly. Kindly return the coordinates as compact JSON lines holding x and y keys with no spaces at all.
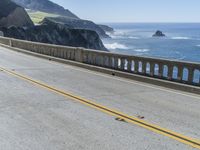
{"x":159,"y":34}
{"x":65,"y":29}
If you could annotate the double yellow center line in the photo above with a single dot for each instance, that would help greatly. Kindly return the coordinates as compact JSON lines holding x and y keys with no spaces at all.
{"x":181,"y":138}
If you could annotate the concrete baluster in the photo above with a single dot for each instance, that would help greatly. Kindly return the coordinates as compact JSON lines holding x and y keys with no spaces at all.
{"x":170,"y":72}
{"x":65,"y":54}
{"x":116,"y":62}
{"x":152,"y":68}
{"x":68,"y":54}
{"x":94,"y":59}
{"x":122,"y":67}
{"x":136,"y":66}
{"x":129,"y":65}
{"x":58,"y":53}
{"x":100,"y":59}
{"x":104,"y":61}
{"x":144,"y":67}
{"x":91,"y":58}
{"x":79,"y":55}
{"x":190,"y":75}
{"x":110,"y":61}
{"x":180,"y":73}
{"x":160,"y":71}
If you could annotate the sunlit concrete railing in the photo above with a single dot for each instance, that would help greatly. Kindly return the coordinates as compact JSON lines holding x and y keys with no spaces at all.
{"x":177,"y":71}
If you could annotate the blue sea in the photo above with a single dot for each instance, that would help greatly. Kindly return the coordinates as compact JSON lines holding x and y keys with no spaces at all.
{"x":182,"y":41}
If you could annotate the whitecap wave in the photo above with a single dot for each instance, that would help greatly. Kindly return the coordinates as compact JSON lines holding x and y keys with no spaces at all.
{"x":121,"y":35}
{"x":198,"y":45}
{"x":133,"y":37}
{"x":142,"y":50}
{"x":115,"y":46}
{"x":180,"y":38}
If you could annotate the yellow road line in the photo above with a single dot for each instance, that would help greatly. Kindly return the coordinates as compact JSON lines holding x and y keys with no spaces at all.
{"x":181,"y":138}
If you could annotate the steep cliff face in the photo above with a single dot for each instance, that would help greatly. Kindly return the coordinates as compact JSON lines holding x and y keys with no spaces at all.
{"x":45,"y":6}
{"x":12,"y":14}
{"x":59,"y":34}
{"x":78,"y":24}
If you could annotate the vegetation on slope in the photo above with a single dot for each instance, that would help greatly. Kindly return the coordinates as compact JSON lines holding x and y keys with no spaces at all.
{"x":38,"y":16}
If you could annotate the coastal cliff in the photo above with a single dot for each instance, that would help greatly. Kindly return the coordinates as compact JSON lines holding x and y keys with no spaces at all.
{"x":58,"y":34}
{"x":78,"y":24}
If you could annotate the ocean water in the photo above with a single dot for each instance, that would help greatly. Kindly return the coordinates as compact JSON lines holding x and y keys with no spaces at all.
{"x":182,"y":41}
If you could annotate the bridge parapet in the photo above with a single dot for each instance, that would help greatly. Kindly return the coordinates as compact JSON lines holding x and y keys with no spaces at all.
{"x":172,"y":70}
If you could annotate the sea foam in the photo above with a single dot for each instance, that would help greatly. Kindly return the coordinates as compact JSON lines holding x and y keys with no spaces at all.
{"x":115,"y":46}
{"x":180,"y":38}
{"x":121,"y":35}
{"x":142,"y":50}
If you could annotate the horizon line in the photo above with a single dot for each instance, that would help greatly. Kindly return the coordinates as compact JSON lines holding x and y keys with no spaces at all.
{"x":152,"y":22}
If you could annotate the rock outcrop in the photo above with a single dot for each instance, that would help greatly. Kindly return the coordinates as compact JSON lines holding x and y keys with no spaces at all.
{"x":12,"y":14}
{"x":78,"y":24}
{"x":106,"y":28}
{"x":54,"y":33}
{"x":159,"y":34}
{"x":45,"y":6}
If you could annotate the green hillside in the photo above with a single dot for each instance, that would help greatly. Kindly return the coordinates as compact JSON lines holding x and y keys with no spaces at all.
{"x":38,"y":16}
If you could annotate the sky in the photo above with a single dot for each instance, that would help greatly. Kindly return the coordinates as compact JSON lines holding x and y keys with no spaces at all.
{"x":134,"y":10}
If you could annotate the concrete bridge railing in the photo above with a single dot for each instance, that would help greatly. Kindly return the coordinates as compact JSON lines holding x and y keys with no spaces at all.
{"x":177,"y":71}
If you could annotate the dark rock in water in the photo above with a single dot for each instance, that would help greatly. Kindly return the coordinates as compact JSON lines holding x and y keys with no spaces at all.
{"x":45,"y":6}
{"x":159,"y":34}
{"x":78,"y":24}
{"x":54,"y":33}
{"x":106,"y":28}
{"x":12,"y":14}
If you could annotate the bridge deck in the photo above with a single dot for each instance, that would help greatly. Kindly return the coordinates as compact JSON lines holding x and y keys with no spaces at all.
{"x":33,"y":117}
